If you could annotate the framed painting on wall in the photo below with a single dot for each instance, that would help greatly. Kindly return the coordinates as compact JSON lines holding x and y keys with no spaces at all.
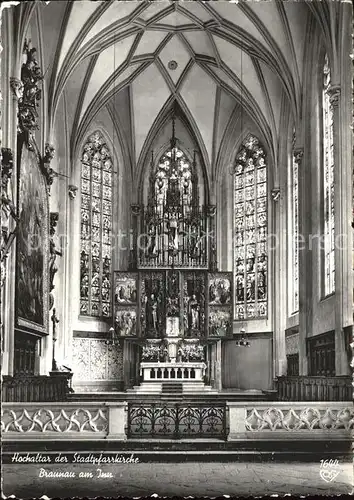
{"x":32,"y":243}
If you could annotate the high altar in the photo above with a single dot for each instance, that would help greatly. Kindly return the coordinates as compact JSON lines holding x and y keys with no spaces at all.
{"x":173,"y":304}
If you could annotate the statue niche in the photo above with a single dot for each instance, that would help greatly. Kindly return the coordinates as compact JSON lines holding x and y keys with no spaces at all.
{"x":194,"y":304}
{"x":152,"y":314}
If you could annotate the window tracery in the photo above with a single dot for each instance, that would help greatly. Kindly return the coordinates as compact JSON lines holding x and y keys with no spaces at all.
{"x":250,"y":231}
{"x":174,"y":167}
{"x":328,"y":182}
{"x":96,"y":228}
{"x":294,"y":196}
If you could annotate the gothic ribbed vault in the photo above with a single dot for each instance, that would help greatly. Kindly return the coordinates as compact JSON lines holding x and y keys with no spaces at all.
{"x":226,"y":54}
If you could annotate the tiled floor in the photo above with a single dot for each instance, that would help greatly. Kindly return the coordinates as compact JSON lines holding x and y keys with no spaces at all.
{"x":182,"y":479}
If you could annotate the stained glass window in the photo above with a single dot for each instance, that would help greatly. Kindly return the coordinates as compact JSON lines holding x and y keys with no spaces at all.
{"x":294,"y":196}
{"x":96,"y":228}
{"x":250,"y":231}
{"x":174,"y":169}
{"x":328,"y":182}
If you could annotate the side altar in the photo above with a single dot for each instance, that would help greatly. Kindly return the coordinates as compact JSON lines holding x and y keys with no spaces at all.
{"x":172,"y":305}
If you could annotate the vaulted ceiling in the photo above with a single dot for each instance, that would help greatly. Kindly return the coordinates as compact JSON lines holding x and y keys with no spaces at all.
{"x":208,"y":56}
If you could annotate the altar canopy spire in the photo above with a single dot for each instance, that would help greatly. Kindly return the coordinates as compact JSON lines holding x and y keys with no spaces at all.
{"x":173,"y":219}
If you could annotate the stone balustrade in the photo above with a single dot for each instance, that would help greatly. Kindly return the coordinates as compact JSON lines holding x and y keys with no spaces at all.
{"x":179,"y":371}
{"x":290,"y":421}
{"x":234,"y":421}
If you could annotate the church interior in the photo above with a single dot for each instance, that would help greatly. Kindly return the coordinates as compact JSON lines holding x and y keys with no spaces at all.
{"x":177,"y":213}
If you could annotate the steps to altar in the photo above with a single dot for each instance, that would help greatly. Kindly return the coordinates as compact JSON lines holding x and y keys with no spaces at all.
{"x":133,"y":395}
{"x":189,"y":387}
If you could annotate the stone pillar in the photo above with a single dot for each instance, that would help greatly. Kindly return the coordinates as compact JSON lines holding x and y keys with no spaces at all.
{"x":218,"y":366}
{"x":126,"y":363}
{"x":279,"y":290}
{"x":237,"y":419}
{"x":342,"y":218}
{"x":67,"y":295}
{"x":305,"y":259}
{"x":211,"y":364}
{"x":117,"y":420}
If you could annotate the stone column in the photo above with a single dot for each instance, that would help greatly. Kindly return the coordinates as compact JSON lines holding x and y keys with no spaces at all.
{"x":237,"y":419}
{"x":67,"y":280}
{"x":342,"y":217}
{"x":305,"y":259}
{"x":218,"y":366}
{"x":279,"y":290}
{"x":211,"y":362}
{"x":117,"y":420}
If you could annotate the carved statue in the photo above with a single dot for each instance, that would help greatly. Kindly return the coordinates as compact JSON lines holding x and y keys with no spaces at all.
{"x":7,"y":207}
{"x":72,"y":191}
{"x":193,"y":313}
{"x":173,"y":236}
{"x":48,"y":172}
{"x":152,"y":240}
{"x":152,"y":312}
{"x":194,"y":241}
{"x":30,"y":75}
{"x":55,"y":321}
{"x":53,"y":249}
{"x":173,"y":299}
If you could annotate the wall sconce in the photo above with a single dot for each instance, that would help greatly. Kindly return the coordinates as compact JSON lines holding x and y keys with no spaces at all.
{"x":241,"y":339}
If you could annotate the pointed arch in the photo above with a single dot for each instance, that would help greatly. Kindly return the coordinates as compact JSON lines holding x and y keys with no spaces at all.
{"x":173,"y":106}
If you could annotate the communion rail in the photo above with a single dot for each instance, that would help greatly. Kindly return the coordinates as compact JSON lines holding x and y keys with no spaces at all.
{"x":36,"y":388}
{"x":43,"y":424}
{"x":307,"y":388}
{"x":177,"y":420}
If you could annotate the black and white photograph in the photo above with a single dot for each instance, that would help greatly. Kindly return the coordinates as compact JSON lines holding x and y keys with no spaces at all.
{"x":125,"y":289}
{"x":176,"y":248}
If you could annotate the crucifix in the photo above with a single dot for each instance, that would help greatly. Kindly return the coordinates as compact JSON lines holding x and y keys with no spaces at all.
{"x":55,"y":321}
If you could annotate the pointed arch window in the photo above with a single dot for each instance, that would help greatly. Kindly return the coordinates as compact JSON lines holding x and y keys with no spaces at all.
{"x":328,"y":182}
{"x":174,"y":174}
{"x":250,"y":231}
{"x":294,"y":210}
{"x":96,"y":228}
